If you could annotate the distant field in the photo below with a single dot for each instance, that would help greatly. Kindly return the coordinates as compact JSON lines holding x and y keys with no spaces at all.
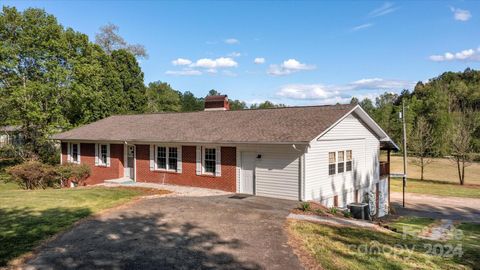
{"x":440,"y":169}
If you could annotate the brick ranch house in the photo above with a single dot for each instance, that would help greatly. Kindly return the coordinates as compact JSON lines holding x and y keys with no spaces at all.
{"x":329,"y":154}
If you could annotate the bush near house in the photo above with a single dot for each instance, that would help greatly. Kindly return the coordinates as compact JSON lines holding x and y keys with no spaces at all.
{"x":35,"y":175}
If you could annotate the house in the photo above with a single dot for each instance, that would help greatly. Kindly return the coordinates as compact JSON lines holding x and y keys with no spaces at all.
{"x":329,"y":154}
{"x":10,"y":135}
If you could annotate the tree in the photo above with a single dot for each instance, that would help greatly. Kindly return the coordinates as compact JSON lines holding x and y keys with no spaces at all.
{"x":190,"y":103}
{"x":237,"y":104}
{"x":421,"y":143}
{"x":163,"y":98}
{"x":266,"y":105}
{"x":131,"y":77}
{"x":213,"y":92}
{"x":109,"y":39}
{"x":461,"y":141}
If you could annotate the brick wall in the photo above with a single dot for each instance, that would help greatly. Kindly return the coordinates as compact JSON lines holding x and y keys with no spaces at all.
{"x":188,"y":177}
{"x":99,"y":174}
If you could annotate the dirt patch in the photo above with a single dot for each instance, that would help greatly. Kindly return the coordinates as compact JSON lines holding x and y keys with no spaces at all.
{"x":317,"y":209}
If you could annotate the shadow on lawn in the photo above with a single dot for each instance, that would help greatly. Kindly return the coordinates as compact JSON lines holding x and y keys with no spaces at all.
{"x":21,"y":229}
{"x":134,"y":241}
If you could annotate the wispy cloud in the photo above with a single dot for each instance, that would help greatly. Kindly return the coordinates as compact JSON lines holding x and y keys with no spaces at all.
{"x":184,"y":72}
{"x":362,"y":26}
{"x":231,"y":41}
{"x":222,"y":62}
{"x":259,"y":60}
{"x":461,"y":14}
{"x":341,"y":93}
{"x":234,"y":54}
{"x":181,"y":62}
{"x":465,"y":55}
{"x":288,"y":67}
{"x":385,"y":9}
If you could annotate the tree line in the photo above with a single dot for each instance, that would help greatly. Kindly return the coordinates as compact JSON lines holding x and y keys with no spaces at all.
{"x":442,"y":117}
{"x":54,"y":78}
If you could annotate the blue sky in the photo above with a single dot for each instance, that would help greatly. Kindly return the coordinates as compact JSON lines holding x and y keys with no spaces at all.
{"x":288,"y":52}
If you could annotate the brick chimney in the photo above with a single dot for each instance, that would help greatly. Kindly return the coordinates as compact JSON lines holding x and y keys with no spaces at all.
{"x":217,"y":103}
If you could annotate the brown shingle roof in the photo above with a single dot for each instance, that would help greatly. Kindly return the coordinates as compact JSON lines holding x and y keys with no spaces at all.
{"x":281,"y":125}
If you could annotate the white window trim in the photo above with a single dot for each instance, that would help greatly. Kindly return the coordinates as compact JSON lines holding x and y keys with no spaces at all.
{"x":167,"y":151}
{"x":335,"y":162}
{"x":338,"y":162}
{"x":98,"y":154}
{"x":70,"y":153}
{"x":218,"y":159}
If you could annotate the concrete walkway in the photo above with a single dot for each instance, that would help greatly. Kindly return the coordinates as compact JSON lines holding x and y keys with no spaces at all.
{"x":336,"y":221}
{"x":177,"y":191}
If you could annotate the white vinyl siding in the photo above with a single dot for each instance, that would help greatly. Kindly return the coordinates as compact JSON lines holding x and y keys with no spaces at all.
{"x":349,"y":134}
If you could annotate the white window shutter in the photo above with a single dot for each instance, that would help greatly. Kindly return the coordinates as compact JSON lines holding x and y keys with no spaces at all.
{"x":218,"y":161}
{"x":108,"y":155}
{"x":179,"y":159}
{"x":152,"y":157}
{"x":199,"y":160}
{"x":96,"y":154}
{"x":79,"y":154}
{"x":69,"y":152}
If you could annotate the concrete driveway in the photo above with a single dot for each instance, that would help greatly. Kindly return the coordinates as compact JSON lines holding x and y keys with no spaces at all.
{"x":217,"y":232}
{"x":438,"y":207}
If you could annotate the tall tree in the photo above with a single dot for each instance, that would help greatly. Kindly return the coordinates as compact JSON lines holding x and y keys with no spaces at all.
{"x":421,"y":144}
{"x":190,"y":103}
{"x":163,"y":98}
{"x":109,"y":39}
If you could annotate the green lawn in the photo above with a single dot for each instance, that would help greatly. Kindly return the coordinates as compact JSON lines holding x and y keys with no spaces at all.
{"x":28,"y":217}
{"x":355,"y":248}
{"x":436,"y":188}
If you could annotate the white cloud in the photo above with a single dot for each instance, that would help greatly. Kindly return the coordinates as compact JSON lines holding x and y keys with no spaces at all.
{"x":362,"y":26}
{"x":465,"y":55}
{"x":184,"y":72}
{"x":461,"y":14}
{"x":181,"y":62}
{"x":328,"y":94}
{"x":222,"y":62}
{"x":385,"y":9}
{"x":231,"y":41}
{"x":259,"y":60}
{"x":234,"y":54}
{"x":288,"y":67}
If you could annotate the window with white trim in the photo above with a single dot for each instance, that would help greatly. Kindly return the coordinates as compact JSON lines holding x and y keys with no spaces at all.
{"x":167,"y":158}
{"x":349,"y":160}
{"x":331,"y":163}
{"x":74,"y":153}
{"x":341,"y":163}
{"x":209,"y":160}
{"x":102,"y":154}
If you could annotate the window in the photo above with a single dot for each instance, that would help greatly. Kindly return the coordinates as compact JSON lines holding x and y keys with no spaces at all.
{"x":172,"y":158}
{"x":210,"y":160}
{"x":341,"y":159}
{"x":103,"y":154}
{"x":349,"y":160}
{"x":74,"y":152}
{"x":167,"y":158}
{"x":161,"y":158}
{"x":331,"y":163}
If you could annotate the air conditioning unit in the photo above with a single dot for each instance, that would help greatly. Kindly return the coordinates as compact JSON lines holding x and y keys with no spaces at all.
{"x":359,"y":210}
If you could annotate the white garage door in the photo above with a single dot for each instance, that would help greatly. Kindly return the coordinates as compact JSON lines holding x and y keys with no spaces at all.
{"x":277,"y":175}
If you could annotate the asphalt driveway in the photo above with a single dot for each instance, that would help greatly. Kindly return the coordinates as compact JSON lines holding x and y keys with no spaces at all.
{"x":217,"y":232}
{"x":438,"y":207}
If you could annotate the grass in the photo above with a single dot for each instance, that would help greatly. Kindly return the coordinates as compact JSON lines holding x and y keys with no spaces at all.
{"x":28,"y":217}
{"x":355,"y":248}
{"x":440,"y":169}
{"x":436,"y":188}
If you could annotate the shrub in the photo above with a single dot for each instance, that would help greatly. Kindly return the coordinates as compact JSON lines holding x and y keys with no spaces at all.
{"x":33,"y":175}
{"x":347,"y":214}
{"x":305,"y":206}
{"x":70,"y":172}
{"x":333,"y":210}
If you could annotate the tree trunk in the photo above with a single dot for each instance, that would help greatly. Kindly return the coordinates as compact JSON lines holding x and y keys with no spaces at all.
{"x":462,"y":181}
{"x":422,"y":165}
{"x":459,"y":170}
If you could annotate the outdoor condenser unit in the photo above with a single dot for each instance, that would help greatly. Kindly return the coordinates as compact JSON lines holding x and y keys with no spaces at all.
{"x":359,"y":210}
